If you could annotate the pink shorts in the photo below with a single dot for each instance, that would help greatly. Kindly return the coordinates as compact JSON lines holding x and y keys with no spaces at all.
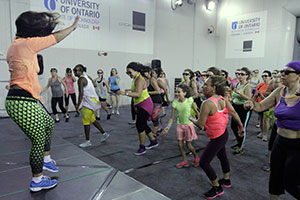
{"x":186,"y":132}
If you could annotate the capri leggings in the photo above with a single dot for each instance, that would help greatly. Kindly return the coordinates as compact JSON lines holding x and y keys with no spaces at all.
{"x":141,"y":121}
{"x":60,"y":101}
{"x":285,"y":165}
{"x":216,"y":147}
{"x":73,"y":97}
{"x":36,"y":123}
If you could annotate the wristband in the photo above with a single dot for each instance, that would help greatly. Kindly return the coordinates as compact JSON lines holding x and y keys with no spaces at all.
{"x":126,"y":93}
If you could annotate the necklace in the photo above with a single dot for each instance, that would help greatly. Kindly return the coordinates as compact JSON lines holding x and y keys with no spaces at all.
{"x":290,"y":97}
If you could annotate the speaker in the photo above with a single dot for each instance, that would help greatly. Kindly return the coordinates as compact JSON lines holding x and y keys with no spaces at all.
{"x":155,"y":64}
{"x":41,"y":64}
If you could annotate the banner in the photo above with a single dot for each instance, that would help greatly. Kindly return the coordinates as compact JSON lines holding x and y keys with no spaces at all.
{"x":107,"y":25}
{"x":245,"y":35}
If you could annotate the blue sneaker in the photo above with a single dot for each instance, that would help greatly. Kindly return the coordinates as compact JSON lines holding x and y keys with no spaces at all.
{"x":46,"y":183}
{"x":50,"y":166}
{"x":141,"y":150}
{"x":152,"y":144}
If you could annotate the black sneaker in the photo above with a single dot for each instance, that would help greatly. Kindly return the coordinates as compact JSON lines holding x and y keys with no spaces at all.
{"x":97,"y":118}
{"x":108,"y":116}
{"x":152,"y":144}
{"x":214,"y":192}
{"x":141,"y":150}
{"x":67,"y":118}
{"x":225,"y":183}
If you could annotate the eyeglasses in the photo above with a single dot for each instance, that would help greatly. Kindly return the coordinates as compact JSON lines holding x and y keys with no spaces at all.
{"x":264,"y":76}
{"x":287,"y":72}
{"x":185,"y":74}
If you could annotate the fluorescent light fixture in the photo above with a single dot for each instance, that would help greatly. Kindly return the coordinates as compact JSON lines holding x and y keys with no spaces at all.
{"x":210,"y":4}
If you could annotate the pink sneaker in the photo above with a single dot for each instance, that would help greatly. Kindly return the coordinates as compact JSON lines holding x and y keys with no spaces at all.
{"x":196,"y":162}
{"x":182,"y":164}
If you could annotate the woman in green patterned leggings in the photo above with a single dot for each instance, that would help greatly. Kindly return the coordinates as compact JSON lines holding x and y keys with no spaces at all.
{"x":34,"y":33}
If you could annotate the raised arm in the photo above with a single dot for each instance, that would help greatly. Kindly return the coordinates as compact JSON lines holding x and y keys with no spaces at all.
{"x":62,"y":34}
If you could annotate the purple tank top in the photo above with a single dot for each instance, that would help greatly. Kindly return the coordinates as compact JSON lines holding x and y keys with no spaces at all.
{"x":287,"y":117}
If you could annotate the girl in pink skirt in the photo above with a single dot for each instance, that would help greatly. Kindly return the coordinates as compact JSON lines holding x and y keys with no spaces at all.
{"x":185,"y":128}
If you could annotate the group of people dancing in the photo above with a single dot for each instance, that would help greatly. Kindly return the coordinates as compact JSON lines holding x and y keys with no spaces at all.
{"x":201,"y":99}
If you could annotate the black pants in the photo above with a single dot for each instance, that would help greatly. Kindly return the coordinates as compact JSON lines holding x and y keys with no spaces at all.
{"x":273,"y":137}
{"x":141,"y":121}
{"x":60,"y":101}
{"x":73,"y":97}
{"x":285,"y":167}
{"x":234,"y":126}
{"x":216,"y":147}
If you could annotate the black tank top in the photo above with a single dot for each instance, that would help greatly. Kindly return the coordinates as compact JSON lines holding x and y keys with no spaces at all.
{"x":156,"y":98}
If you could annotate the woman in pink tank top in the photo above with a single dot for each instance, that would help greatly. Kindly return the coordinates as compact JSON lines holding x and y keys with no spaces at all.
{"x":69,"y":80}
{"x":213,"y":118}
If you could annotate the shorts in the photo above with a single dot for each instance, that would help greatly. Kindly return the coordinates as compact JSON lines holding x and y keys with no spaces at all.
{"x":186,"y":132}
{"x":114,"y":92}
{"x":88,"y":116}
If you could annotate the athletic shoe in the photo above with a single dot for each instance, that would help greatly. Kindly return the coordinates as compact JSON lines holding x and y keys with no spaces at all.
{"x":117,"y":113}
{"x":236,"y":145}
{"x":182,"y":164}
{"x":141,"y":150}
{"x":266,"y":167}
{"x":196,"y":162}
{"x":46,"y":183}
{"x":238,"y":151}
{"x":67,"y":118}
{"x":226,"y":183}
{"x":97,"y":118}
{"x":57,"y":120}
{"x":104,"y":137}
{"x":50,"y":166}
{"x":214,"y":192}
{"x":257,"y":125}
{"x":112,"y":112}
{"x":152,"y":144}
{"x":108,"y":116}
{"x":85,"y":144}
{"x":265,"y":138}
{"x":131,"y":122}
{"x":260,"y":135}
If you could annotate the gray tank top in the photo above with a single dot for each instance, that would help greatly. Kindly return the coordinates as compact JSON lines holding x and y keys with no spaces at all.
{"x":56,"y":88}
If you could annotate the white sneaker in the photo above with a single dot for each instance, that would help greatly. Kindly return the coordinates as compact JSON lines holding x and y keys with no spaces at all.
{"x":257,"y":125}
{"x":104,"y":137}
{"x":260,"y":135}
{"x":117,"y":112}
{"x":265,"y":138}
{"x":86,"y":144}
{"x":112,"y":112}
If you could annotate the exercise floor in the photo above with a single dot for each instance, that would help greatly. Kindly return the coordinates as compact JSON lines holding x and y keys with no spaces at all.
{"x":110,"y":170}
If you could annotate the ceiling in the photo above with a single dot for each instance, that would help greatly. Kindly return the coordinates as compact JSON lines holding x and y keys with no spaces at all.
{"x":293,"y":6}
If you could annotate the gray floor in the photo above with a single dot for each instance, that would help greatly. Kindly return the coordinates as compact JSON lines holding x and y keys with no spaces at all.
{"x":83,"y":171}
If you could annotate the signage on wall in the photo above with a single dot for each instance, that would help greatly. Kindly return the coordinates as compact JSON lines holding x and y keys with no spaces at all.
{"x":245,"y":35}
{"x":109,"y":25}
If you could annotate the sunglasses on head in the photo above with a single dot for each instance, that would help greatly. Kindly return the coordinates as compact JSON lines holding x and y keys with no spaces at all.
{"x":264,"y":76}
{"x":185,"y":74}
{"x":287,"y":72}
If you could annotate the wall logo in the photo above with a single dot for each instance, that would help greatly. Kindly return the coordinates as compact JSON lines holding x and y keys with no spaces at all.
{"x":234,"y":25}
{"x":50,"y":4}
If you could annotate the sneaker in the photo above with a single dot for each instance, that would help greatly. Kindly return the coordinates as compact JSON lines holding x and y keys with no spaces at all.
{"x":104,"y":137}
{"x":260,"y":135}
{"x":236,"y":145}
{"x":182,"y":164}
{"x":67,"y":118}
{"x":214,"y":192}
{"x":265,"y":138}
{"x":238,"y":151}
{"x":141,"y":150}
{"x":50,"y":166}
{"x":97,"y":118}
{"x":152,"y":144}
{"x":57,"y":120}
{"x":108,"y":116}
{"x":85,"y":144}
{"x":112,"y":112}
{"x":196,"y":162}
{"x":117,"y":113}
{"x":46,"y":183}
{"x":266,"y":167}
{"x":132,"y":122}
{"x":226,"y":183}
{"x":257,"y":125}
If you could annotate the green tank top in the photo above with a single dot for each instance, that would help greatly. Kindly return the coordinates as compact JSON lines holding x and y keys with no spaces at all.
{"x":236,"y":98}
{"x":144,"y":94}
